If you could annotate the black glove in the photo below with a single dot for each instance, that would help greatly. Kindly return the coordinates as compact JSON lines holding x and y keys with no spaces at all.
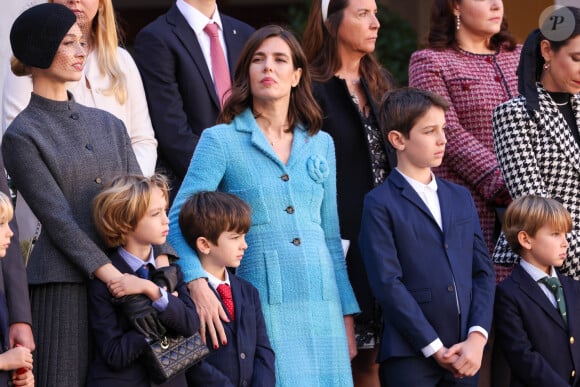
{"x":141,"y":314}
{"x":165,"y":277}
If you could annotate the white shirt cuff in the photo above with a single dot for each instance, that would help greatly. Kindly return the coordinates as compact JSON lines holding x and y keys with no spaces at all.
{"x":161,"y":304}
{"x":432,"y":348}
{"x":477,"y":328}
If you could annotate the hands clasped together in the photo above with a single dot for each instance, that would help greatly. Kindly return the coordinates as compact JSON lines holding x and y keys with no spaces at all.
{"x":462,"y":359}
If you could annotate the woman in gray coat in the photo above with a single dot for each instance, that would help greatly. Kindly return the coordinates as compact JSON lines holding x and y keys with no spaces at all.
{"x":59,"y":154}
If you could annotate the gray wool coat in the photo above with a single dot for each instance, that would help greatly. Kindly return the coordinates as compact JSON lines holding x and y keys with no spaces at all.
{"x":59,"y":155}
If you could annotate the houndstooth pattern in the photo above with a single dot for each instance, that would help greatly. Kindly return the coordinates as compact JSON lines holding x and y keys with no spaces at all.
{"x":538,"y":155}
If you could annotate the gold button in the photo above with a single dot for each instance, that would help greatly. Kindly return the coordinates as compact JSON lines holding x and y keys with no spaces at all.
{"x":296,"y":241}
{"x":290,"y":210}
{"x":571,"y":339}
{"x":98,"y":180}
{"x":573,"y":373}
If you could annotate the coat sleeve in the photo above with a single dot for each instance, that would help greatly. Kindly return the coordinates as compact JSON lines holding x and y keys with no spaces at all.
{"x":205,"y":173}
{"x":483,"y":278}
{"x":13,"y":270}
{"x":469,"y":158}
{"x":330,"y":225}
{"x":379,"y":252}
{"x":176,"y":137}
{"x":525,"y":362}
{"x":139,"y":127}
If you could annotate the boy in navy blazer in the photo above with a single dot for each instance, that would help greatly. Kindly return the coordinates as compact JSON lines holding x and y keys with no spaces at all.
{"x":130,"y":214}
{"x":215,"y":225}
{"x":537,"y":309}
{"x":425,"y":256}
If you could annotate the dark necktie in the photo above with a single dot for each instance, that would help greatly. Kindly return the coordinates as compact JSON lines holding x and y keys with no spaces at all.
{"x":143,"y":271}
{"x":554,"y":285}
{"x":219,"y":67}
{"x":225,"y":293}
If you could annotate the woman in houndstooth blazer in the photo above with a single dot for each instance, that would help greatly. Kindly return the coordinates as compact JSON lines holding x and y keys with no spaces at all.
{"x":536,"y":135}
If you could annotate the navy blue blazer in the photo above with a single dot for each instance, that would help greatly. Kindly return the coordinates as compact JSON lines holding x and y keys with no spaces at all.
{"x":118,"y":346}
{"x":540,"y":349}
{"x":180,"y":92}
{"x":418,"y":272}
{"x":248,"y":358}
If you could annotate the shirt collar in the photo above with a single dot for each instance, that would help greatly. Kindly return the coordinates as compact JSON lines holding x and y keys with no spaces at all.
{"x":135,"y":262}
{"x":536,"y":273}
{"x":419,"y":186}
{"x":197,"y":20}
{"x":215,"y":282}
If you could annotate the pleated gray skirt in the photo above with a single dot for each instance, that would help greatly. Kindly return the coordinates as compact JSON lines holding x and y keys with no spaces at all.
{"x":61,"y":332}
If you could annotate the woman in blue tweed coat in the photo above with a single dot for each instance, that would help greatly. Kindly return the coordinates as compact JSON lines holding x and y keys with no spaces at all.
{"x":270,"y":153}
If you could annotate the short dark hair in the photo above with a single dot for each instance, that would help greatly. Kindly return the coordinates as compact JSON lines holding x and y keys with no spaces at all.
{"x":209,"y":213}
{"x":401,"y":108}
{"x":530,"y":213}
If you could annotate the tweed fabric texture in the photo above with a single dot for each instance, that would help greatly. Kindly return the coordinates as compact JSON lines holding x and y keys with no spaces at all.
{"x":294,"y":257}
{"x":474,"y":85}
{"x":539,"y":156}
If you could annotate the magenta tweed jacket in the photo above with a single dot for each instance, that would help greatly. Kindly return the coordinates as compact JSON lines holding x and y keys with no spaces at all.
{"x":473,"y":84}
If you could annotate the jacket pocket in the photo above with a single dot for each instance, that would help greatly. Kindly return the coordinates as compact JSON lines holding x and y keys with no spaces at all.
{"x":273,"y":277}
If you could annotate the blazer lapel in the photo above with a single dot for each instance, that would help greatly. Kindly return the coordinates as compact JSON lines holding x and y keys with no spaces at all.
{"x":411,"y":195}
{"x":532,"y":290}
{"x":187,"y":37}
{"x":233,"y":43}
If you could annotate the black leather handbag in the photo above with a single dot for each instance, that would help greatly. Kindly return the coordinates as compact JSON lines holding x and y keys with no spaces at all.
{"x":169,"y":356}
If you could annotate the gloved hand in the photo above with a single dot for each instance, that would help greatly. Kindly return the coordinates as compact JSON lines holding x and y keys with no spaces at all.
{"x":165,"y":277}
{"x":141,"y":314}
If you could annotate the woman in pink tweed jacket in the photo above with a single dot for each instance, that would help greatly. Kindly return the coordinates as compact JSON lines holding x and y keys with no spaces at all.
{"x":471,"y":60}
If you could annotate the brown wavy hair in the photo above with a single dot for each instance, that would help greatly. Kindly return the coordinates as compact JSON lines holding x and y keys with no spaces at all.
{"x":303,"y":107}
{"x":442,"y":31}
{"x":321,"y":47}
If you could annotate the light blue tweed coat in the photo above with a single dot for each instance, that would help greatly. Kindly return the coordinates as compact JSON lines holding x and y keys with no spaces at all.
{"x":294,"y":256}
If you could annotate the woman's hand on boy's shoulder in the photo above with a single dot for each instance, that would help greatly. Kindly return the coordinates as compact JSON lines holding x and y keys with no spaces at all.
{"x":129,"y":284}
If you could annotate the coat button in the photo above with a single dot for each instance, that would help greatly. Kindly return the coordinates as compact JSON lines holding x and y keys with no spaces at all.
{"x":98,"y":180}
{"x":285,"y":177}
{"x":450,"y":288}
{"x":572,"y":340}
{"x":573,"y":374}
{"x":89,"y":147}
{"x":242,"y":356}
{"x":290,"y":210}
{"x":296,"y":241}
{"x":74,"y":116}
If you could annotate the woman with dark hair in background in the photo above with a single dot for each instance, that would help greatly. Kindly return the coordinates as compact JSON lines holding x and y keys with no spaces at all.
{"x":348,"y":83}
{"x":471,"y":61}
{"x":536,"y":134}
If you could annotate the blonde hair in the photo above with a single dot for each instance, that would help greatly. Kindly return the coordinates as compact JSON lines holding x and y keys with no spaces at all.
{"x":530,"y":213}
{"x":6,"y":209}
{"x":104,"y":34}
{"x":122,"y":204}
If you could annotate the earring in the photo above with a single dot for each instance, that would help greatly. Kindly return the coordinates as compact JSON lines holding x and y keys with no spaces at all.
{"x":457,"y":22}
{"x":547,"y":66}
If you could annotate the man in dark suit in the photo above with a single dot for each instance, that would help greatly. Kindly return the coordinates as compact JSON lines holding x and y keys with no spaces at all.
{"x":14,"y":284}
{"x":173,"y":56}
{"x":536,"y":323}
{"x":215,"y":224}
{"x":425,"y":255}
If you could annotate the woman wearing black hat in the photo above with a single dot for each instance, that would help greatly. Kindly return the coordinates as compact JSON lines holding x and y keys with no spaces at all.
{"x":58,"y":154}
{"x":536,"y":135}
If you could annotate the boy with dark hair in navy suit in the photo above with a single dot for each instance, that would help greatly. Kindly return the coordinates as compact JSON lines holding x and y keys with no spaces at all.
{"x":425,"y":256}
{"x":130,"y":215}
{"x":537,"y":309}
{"x":215,"y":225}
